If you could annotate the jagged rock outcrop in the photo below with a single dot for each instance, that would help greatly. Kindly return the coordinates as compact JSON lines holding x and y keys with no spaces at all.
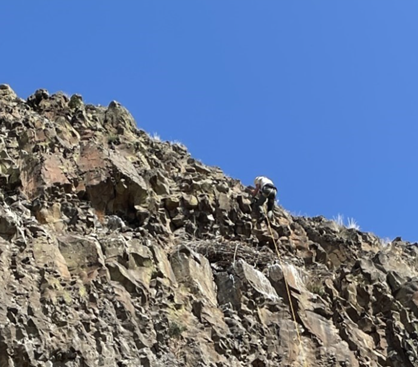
{"x":120,"y":250}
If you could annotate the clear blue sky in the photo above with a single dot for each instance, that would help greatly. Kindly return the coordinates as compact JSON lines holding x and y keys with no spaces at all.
{"x":321,"y":96}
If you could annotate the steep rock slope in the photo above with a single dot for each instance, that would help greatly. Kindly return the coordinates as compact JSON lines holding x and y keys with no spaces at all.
{"x":120,"y":250}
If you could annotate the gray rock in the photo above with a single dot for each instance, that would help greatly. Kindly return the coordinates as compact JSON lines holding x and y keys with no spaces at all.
{"x":119,"y":249}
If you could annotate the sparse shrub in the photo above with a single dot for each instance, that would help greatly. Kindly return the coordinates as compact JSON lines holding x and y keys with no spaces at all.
{"x":339,"y":219}
{"x":62,"y":93}
{"x":384,"y":242}
{"x":156,"y":137}
{"x":176,"y":142}
{"x":351,"y":223}
{"x":113,"y":139}
{"x":176,"y":329}
{"x":155,"y":273}
{"x":315,"y":286}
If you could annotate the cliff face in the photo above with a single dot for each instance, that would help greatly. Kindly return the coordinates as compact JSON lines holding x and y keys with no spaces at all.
{"x":120,"y":250}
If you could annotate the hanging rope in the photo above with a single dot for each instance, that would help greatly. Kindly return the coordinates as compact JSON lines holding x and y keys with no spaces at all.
{"x":288,"y":293}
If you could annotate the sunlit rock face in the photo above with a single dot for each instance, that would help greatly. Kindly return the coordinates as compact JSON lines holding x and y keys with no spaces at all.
{"x":117,"y":249}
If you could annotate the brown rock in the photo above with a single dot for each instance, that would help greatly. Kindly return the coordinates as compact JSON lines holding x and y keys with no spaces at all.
{"x":119,"y":249}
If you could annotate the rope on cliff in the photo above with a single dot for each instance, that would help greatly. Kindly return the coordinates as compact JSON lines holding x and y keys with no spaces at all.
{"x":288,"y":294}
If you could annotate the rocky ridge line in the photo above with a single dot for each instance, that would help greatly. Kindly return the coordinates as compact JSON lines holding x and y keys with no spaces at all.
{"x":120,"y":250}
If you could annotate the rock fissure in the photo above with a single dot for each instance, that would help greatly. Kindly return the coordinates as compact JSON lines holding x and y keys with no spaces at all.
{"x":117,"y":249}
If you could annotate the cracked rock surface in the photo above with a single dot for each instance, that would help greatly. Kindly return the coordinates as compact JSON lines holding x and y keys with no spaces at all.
{"x":117,"y":249}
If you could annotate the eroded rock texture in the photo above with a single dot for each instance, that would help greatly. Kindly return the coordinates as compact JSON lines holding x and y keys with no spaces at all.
{"x":120,"y":250}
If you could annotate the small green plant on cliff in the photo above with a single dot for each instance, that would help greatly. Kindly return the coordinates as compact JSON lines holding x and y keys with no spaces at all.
{"x":315,"y":286}
{"x":155,"y":273}
{"x":176,"y":329}
{"x":113,"y":139}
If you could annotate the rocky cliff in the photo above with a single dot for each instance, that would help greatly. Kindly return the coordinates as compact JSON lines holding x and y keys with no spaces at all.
{"x":120,"y":250}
